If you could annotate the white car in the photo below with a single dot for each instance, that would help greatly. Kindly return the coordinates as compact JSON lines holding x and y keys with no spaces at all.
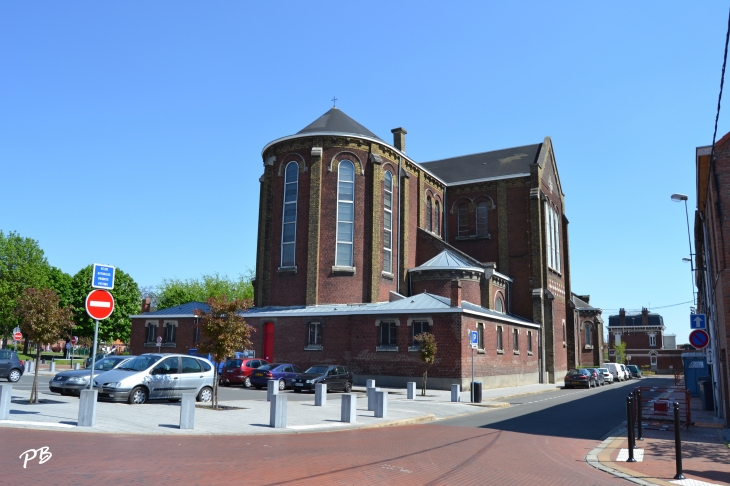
{"x":607,"y":376}
{"x":616,"y":371}
{"x":627,"y":373}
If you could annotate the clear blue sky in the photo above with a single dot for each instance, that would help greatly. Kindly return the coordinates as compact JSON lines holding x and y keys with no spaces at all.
{"x":131,"y":132}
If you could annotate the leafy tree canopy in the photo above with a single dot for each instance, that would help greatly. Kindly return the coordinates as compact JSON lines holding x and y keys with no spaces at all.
{"x":127,"y":301}
{"x":175,"y":291}
{"x":60,"y":281}
{"x":22,"y":265}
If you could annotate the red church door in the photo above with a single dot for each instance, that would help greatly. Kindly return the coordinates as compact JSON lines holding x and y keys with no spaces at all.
{"x":269,"y":342}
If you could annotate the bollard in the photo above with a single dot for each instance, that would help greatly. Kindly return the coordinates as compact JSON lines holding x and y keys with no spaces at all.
{"x":677,"y":443}
{"x":455,"y":390}
{"x":6,"y":390}
{"x":371,"y":398}
{"x":348,"y":412}
{"x":411,"y":386}
{"x":320,"y":394}
{"x":52,"y":368}
{"x":277,"y":411}
{"x":370,"y":384}
{"x":87,"y":408}
{"x":26,"y":366}
{"x":77,"y":366}
{"x":630,"y":428}
{"x":381,"y":404}
{"x":633,"y":422}
{"x":639,"y":418}
{"x":31,"y":367}
{"x":187,"y":411}
{"x":272,"y":388}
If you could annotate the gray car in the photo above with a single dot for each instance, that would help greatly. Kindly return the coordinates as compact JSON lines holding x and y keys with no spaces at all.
{"x":72,"y":382}
{"x":157,"y":377}
{"x":10,"y":365}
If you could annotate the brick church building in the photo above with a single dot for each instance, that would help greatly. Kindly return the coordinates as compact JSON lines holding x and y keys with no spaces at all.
{"x":360,"y":248}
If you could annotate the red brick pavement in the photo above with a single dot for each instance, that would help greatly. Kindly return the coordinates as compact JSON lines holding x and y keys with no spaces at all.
{"x":418,"y":454}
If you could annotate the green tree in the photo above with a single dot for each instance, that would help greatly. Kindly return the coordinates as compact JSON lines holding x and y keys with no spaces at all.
{"x":175,"y":291}
{"x":43,"y":321}
{"x":127,"y":301}
{"x":22,"y":265}
{"x":427,"y":342}
{"x":224,"y":331}
{"x":620,"y":350}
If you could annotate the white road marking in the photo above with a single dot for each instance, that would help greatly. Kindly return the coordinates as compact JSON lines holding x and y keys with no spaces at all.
{"x":27,"y":422}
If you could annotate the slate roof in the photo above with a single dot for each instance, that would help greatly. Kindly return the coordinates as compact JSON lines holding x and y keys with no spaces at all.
{"x":581,"y":304}
{"x":182,"y":310}
{"x":635,"y":320}
{"x":447,"y":260}
{"x":486,"y":165}
{"x":336,"y":121}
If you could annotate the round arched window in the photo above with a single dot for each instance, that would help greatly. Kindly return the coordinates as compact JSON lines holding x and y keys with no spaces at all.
{"x":499,"y":305}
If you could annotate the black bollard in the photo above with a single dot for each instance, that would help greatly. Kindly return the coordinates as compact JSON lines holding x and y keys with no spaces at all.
{"x":639,"y":418}
{"x":677,"y":443}
{"x":630,"y":427}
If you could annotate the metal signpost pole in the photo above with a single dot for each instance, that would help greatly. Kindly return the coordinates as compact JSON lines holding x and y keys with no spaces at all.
{"x":471,"y":387}
{"x":93,"y":355}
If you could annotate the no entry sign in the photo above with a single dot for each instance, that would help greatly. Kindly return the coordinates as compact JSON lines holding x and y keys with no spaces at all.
{"x":17,"y":336}
{"x":99,"y":304}
{"x":699,"y":338}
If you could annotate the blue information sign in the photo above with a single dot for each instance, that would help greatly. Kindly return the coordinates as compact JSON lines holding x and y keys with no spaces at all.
{"x":697,"y":321}
{"x":103,"y":276}
{"x":473,"y":338}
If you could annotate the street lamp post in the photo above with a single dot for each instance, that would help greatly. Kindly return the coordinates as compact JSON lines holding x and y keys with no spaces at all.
{"x":680,"y":198}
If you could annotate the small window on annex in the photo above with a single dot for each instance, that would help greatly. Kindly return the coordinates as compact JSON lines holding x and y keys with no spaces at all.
{"x":515,"y":339}
{"x":480,"y":335}
{"x":463,"y":217}
{"x":345,"y":213}
{"x":170,"y":332}
{"x":314,"y":334}
{"x":499,"y":339}
{"x":482,"y":218}
{"x":529,"y":341}
{"x":418,"y":327}
{"x":589,"y":334}
{"x":388,"y":335}
{"x":499,"y":305}
{"x":289,"y":221}
{"x":151,"y":332}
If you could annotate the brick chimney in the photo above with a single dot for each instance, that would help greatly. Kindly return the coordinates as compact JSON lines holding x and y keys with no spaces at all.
{"x":622,"y":317}
{"x":146,"y":304}
{"x":644,"y":316}
{"x":399,"y":139}
{"x":455,"y":293}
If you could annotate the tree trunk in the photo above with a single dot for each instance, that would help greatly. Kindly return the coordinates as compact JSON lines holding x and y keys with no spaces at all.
{"x":423,"y":388}
{"x":34,"y":389}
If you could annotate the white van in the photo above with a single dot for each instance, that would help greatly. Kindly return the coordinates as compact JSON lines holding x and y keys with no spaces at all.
{"x":616,"y":371}
{"x":627,"y":373}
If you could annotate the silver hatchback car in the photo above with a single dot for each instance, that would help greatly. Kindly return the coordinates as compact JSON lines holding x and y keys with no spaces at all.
{"x":157,"y":376}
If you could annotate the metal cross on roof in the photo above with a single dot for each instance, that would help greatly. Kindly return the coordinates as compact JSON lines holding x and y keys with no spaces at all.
{"x":334,"y":101}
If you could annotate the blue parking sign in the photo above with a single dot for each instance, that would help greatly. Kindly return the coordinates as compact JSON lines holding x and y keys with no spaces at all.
{"x":697,"y":321}
{"x":102,"y":276}
{"x":473,"y":339}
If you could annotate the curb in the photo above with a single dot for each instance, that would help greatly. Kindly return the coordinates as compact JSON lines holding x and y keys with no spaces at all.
{"x":490,"y":405}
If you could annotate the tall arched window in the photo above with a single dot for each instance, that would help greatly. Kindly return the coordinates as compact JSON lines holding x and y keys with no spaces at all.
{"x":289,"y":221}
{"x":428,"y":213}
{"x":556,"y":239}
{"x":388,"y":223}
{"x":589,"y":334}
{"x":437,"y":219}
{"x":345,"y":213}
{"x":499,"y":305}
{"x":482,"y":209}
{"x":463,"y":216}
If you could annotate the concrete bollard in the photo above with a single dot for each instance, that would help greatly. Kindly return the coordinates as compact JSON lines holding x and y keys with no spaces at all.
{"x":371,"y":398}
{"x":370,"y":384}
{"x":272,"y":388}
{"x":411,"y":385}
{"x":320,"y":394}
{"x":187,"y":411}
{"x":349,"y":408}
{"x":32,"y":367}
{"x":277,"y":411}
{"x":87,"y":408}
{"x":381,"y":404}
{"x":77,"y":366}
{"x":455,"y":391}
{"x":26,"y":366}
{"x":52,"y":368}
{"x":6,"y":390}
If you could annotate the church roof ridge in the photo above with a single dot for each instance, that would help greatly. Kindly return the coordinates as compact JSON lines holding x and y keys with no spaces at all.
{"x":336,"y":121}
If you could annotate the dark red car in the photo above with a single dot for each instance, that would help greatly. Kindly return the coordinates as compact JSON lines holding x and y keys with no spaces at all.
{"x":238,"y":371}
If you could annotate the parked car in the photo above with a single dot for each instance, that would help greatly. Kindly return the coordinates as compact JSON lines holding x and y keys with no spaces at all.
{"x":99,"y":357}
{"x":579,"y":377}
{"x":335,"y":377}
{"x":73,"y":381}
{"x":11,"y":368}
{"x":607,"y":376}
{"x":634,"y":370}
{"x":238,"y":371}
{"x":157,"y":376}
{"x":616,"y":371}
{"x":627,"y":373}
{"x":284,"y":372}
{"x":598,"y":378}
